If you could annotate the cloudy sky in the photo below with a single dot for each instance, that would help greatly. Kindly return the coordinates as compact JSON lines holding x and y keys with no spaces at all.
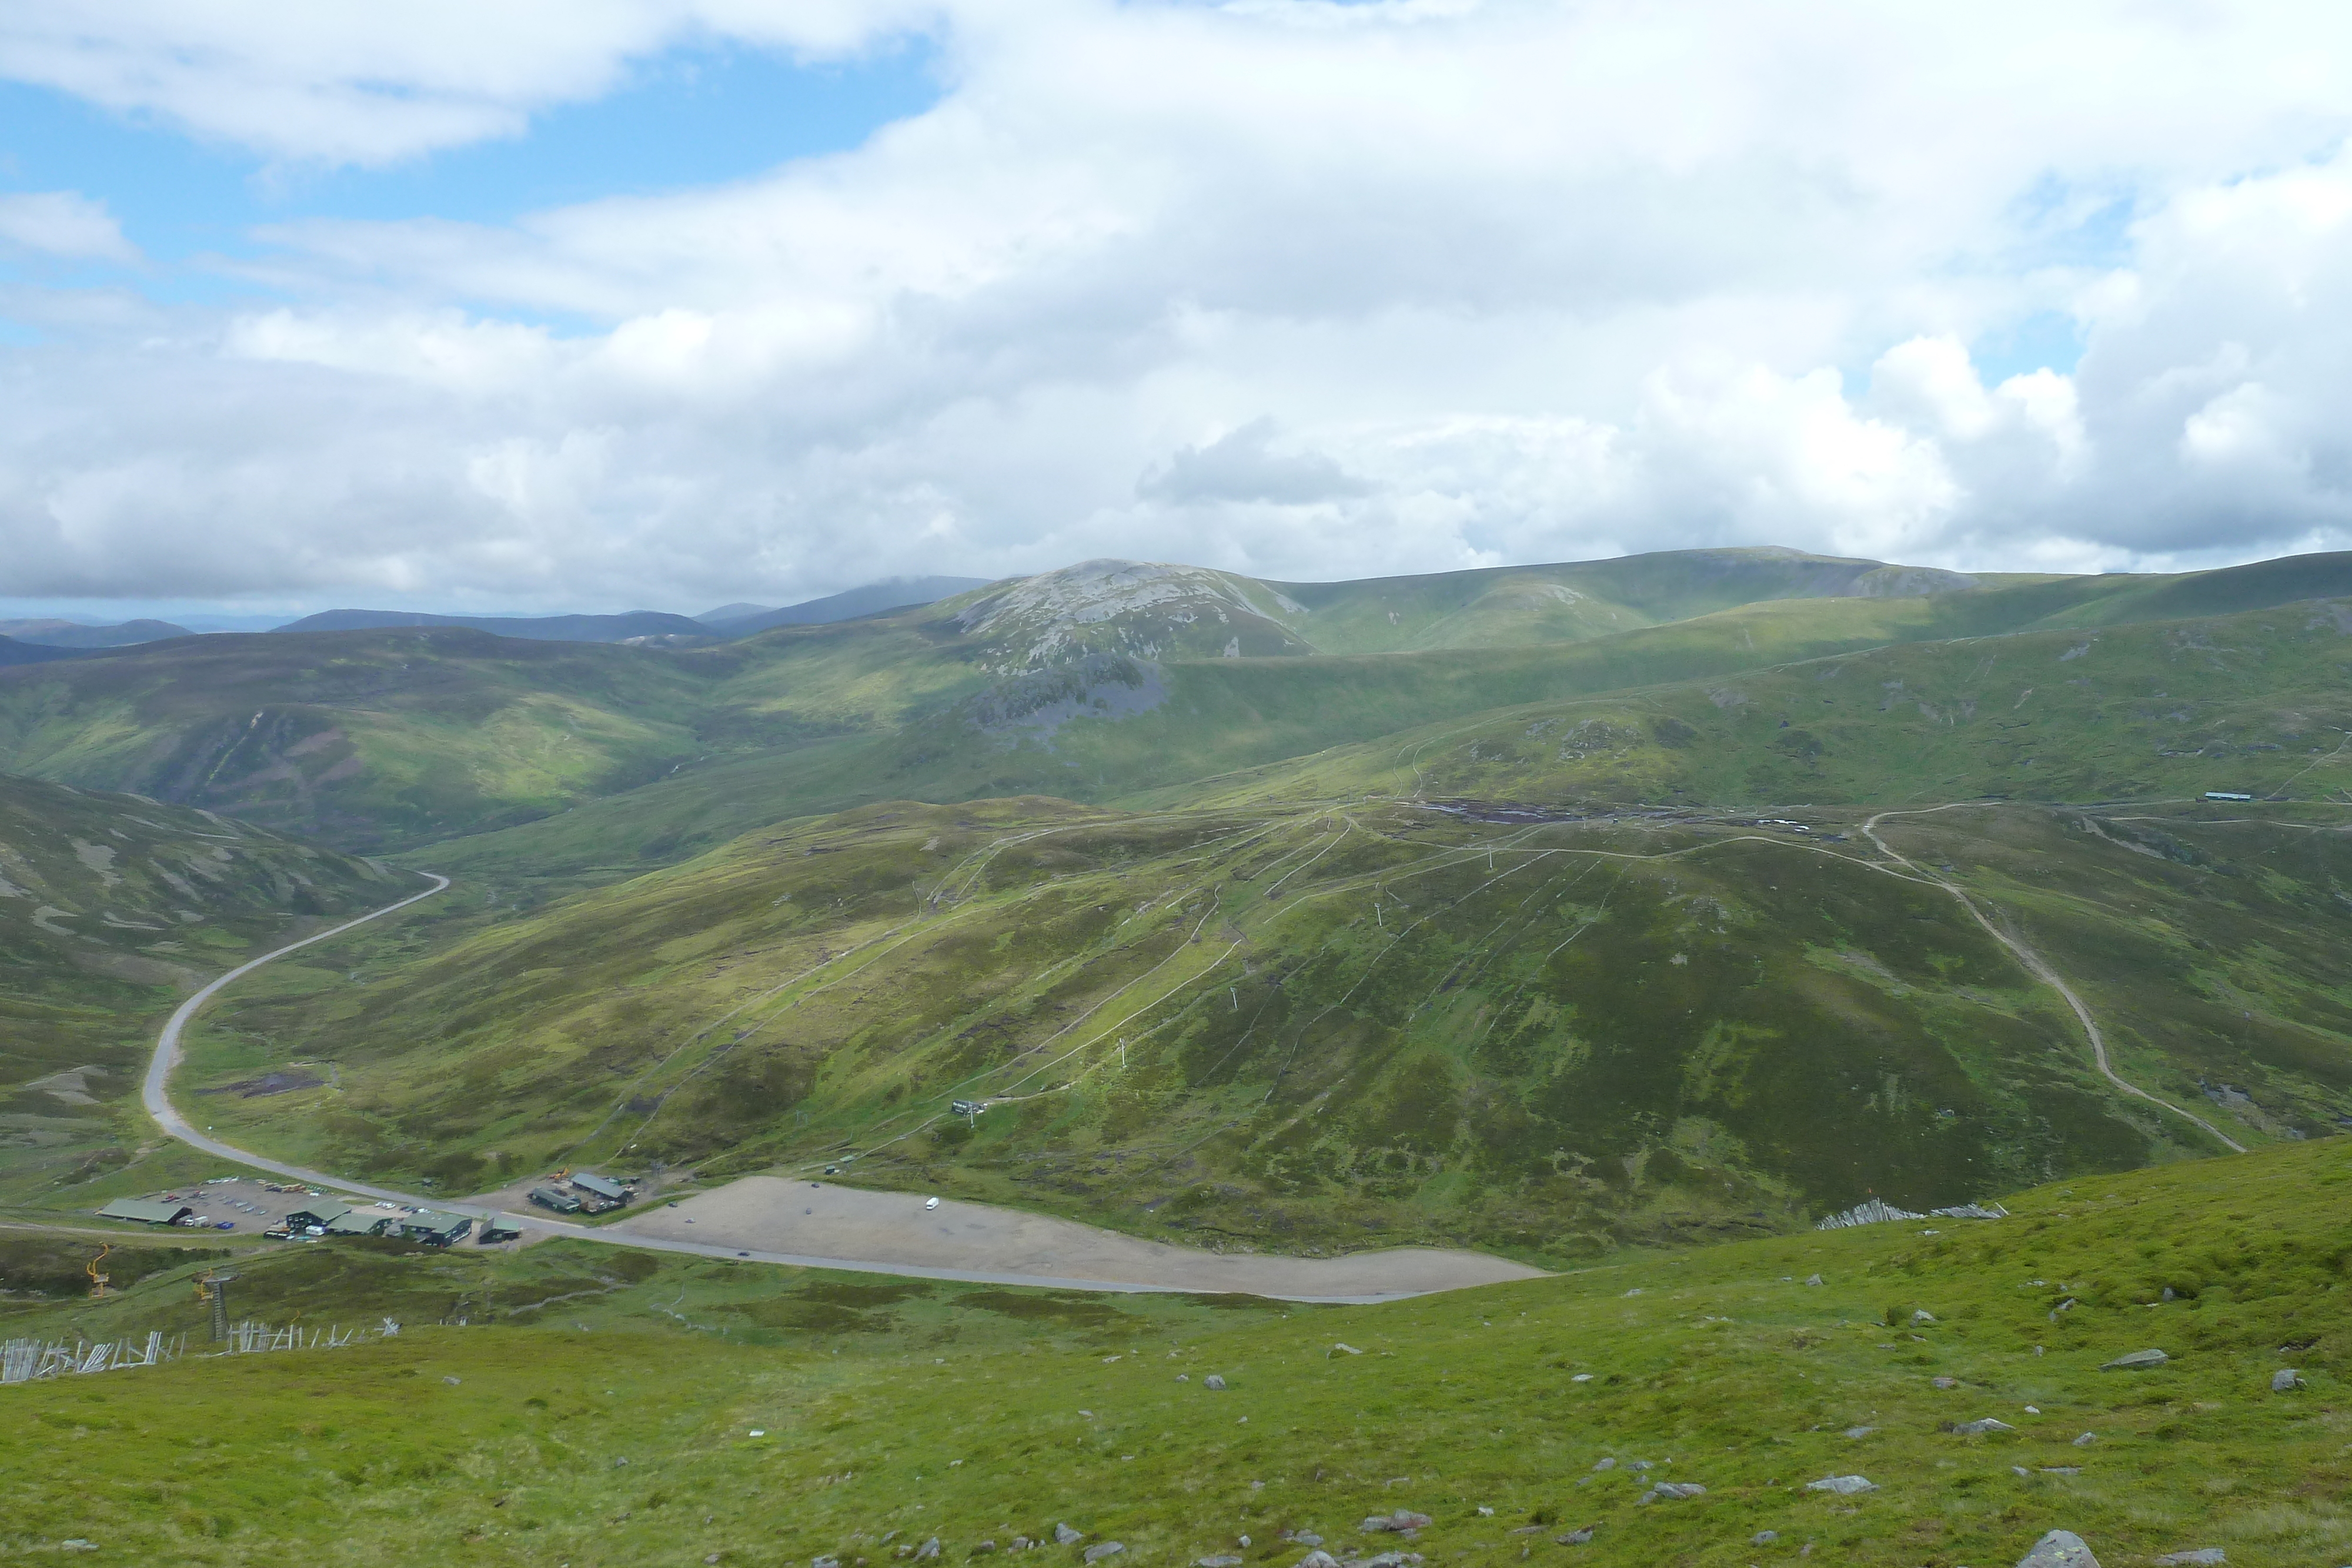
{"x":608,"y":304}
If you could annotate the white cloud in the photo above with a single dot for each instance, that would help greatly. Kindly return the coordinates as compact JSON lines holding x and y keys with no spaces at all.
{"x":1299,"y":289}
{"x":63,"y":223}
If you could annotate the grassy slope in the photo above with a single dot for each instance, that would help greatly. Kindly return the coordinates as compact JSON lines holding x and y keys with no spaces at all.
{"x":111,"y":908}
{"x":2253,"y":702}
{"x":1347,"y":1025}
{"x":897,"y":1411}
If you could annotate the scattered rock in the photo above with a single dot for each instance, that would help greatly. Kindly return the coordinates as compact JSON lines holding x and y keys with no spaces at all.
{"x":1346,"y":1349}
{"x":1813,"y":1279}
{"x":1486,"y":1513}
{"x":1946,"y":1382}
{"x":1308,"y":1538}
{"x":1859,"y":1433}
{"x":1639,"y":1464}
{"x":2062,"y":1470}
{"x":2135,"y":1361}
{"x":1391,"y":1560}
{"x":2020,"y":1470}
{"x":1221,"y":1561}
{"x":2087,"y":1439}
{"x":1212,"y":1381}
{"x":2065,"y":1306}
{"x":1318,"y":1559}
{"x":1844,"y":1486}
{"x":2059,"y":1549}
{"x":1183,"y":1377}
{"x":1675,"y":1489}
{"x":452,"y":1381}
{"x":1582,"y":1377}
{"x":713,"y":1557}
{"x":831,"y":1561}
{"x":1402,"y":1519}
{"x":1577,"y":1537}
{"x":1979,"y":1427}
{"x":1066,"y":1535}
{"x":2167,"y":1295}
{"x":618,"y":1463}
{"x":2202,"y":1557}
{"x":2285,"y":1380}
{"x":1102,"y":1548}
{"x":1608,"y":1464}
{"x":1923,"y":1316}
{"x":1764,"y":1538}
{"x":927,"y":1550}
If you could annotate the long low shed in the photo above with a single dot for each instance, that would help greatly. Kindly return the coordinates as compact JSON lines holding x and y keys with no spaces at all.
{"x":146,"y":1210}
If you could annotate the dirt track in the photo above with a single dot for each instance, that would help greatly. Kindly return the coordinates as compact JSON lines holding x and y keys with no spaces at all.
{"x":770,"y":1213}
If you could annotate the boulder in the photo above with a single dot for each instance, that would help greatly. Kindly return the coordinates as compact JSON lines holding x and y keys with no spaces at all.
{"x":2135,"y":1361}
{"x":1212,"y":1381}
{"x":1318,"y":1559}
{"x":1945,"y":1382}
{"x":1402,"y":1519}
{"x":2285,"y":1380}
{"x":1978,"y":1428}
{"x":1577,"y":1537}
{"x":1607,"y":1464}
{"x":1813,"y":1279}
{"x":1066,"y":1535}
{"x":1842,"y":1486}
{"x":1391,"y":1560}
{"x":1859,"y":1433}
{"x":2201,"y":1557}
{"x":824,"y":1562}
{"x":2059,"y":1549}
{"x":1923,"y":1316}
{"x":1102,"y":1548}
{"x":1677,"y":1489}
{"x":1224,"y":1560}
{"x":2087,"y":1439}
{"x":1764,"y":1538}
{"x":929,"y":1550}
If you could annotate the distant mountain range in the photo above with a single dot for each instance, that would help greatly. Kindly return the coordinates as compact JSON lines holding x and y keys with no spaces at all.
{"x":898,"y":594}
{"x":54,"y":634}
{"x":634,"y":626}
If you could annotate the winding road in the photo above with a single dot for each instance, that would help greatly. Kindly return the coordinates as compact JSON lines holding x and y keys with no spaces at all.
{"x":2039,"y":968}
{"x":1149,"y":1267}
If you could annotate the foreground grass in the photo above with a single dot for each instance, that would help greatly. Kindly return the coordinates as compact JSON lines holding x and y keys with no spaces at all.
{"x":895,"y":1411}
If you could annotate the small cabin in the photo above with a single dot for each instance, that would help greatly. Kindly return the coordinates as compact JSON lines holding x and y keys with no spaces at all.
{"x":359,"y":1222}
{"x":494,"y":1231}
{"x":599,"y":1193}
{"x":561,"y":1202}
{"x":146,"y":1210}
{"x":316,"y":1213}
{"x":435,"y":1229}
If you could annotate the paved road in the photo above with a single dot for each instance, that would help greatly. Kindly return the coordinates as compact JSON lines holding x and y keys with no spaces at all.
{"x":1480,"y":1270}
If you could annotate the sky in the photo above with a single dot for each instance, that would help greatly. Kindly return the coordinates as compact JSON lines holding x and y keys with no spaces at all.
{"x":558,"y":305}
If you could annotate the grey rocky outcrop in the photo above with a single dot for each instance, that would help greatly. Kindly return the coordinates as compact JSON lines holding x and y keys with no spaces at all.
{"x":2059,"y":1549}
{"x":1844,"y":1486}
{"x":2136,"y":1361}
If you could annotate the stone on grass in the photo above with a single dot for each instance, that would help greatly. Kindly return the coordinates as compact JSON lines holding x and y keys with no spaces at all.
{"x":1945,"y":1382}
{"x":1212,"y":1381}
{"x":1608,"y":1464}
{"x":1402,"y":1519}
{"x":1066,"y":1535}
{"x":1391,"y":1560}
{"x":1224,"y":1560}
{"x":2284,"y":1381}
{"x":1764,"y":1538}
{"x":1859,"y":1433}
{"x":1923,"y":1316}
{"x":1577,"y":1537}
{"x":2201,"y":1557}
{"x":2135,"y":1361}
{"x":1319,"y":1558}
{"x":1677,"y":1489}
{"x":2087,"y":1439}
{"x":1844,"y":1486}
{"x":1344,"y":1347}
{"x":1813,"y":1279}
{"x":1308,"y":1538}
{"x":1978,"y":1428}
{"x":2062,"y":1470}
{"x":928,"y":1551}
{"x":824,"y":1562}
{"x":2059,"y":1549}
{"x":1102,"y":1548}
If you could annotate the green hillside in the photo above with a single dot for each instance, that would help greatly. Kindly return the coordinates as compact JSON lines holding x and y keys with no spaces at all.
{"x":616,"y":1408}
{"x":2255,"y":702}
{"x":111,"y":908}
{"x":1326,"y":1025}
